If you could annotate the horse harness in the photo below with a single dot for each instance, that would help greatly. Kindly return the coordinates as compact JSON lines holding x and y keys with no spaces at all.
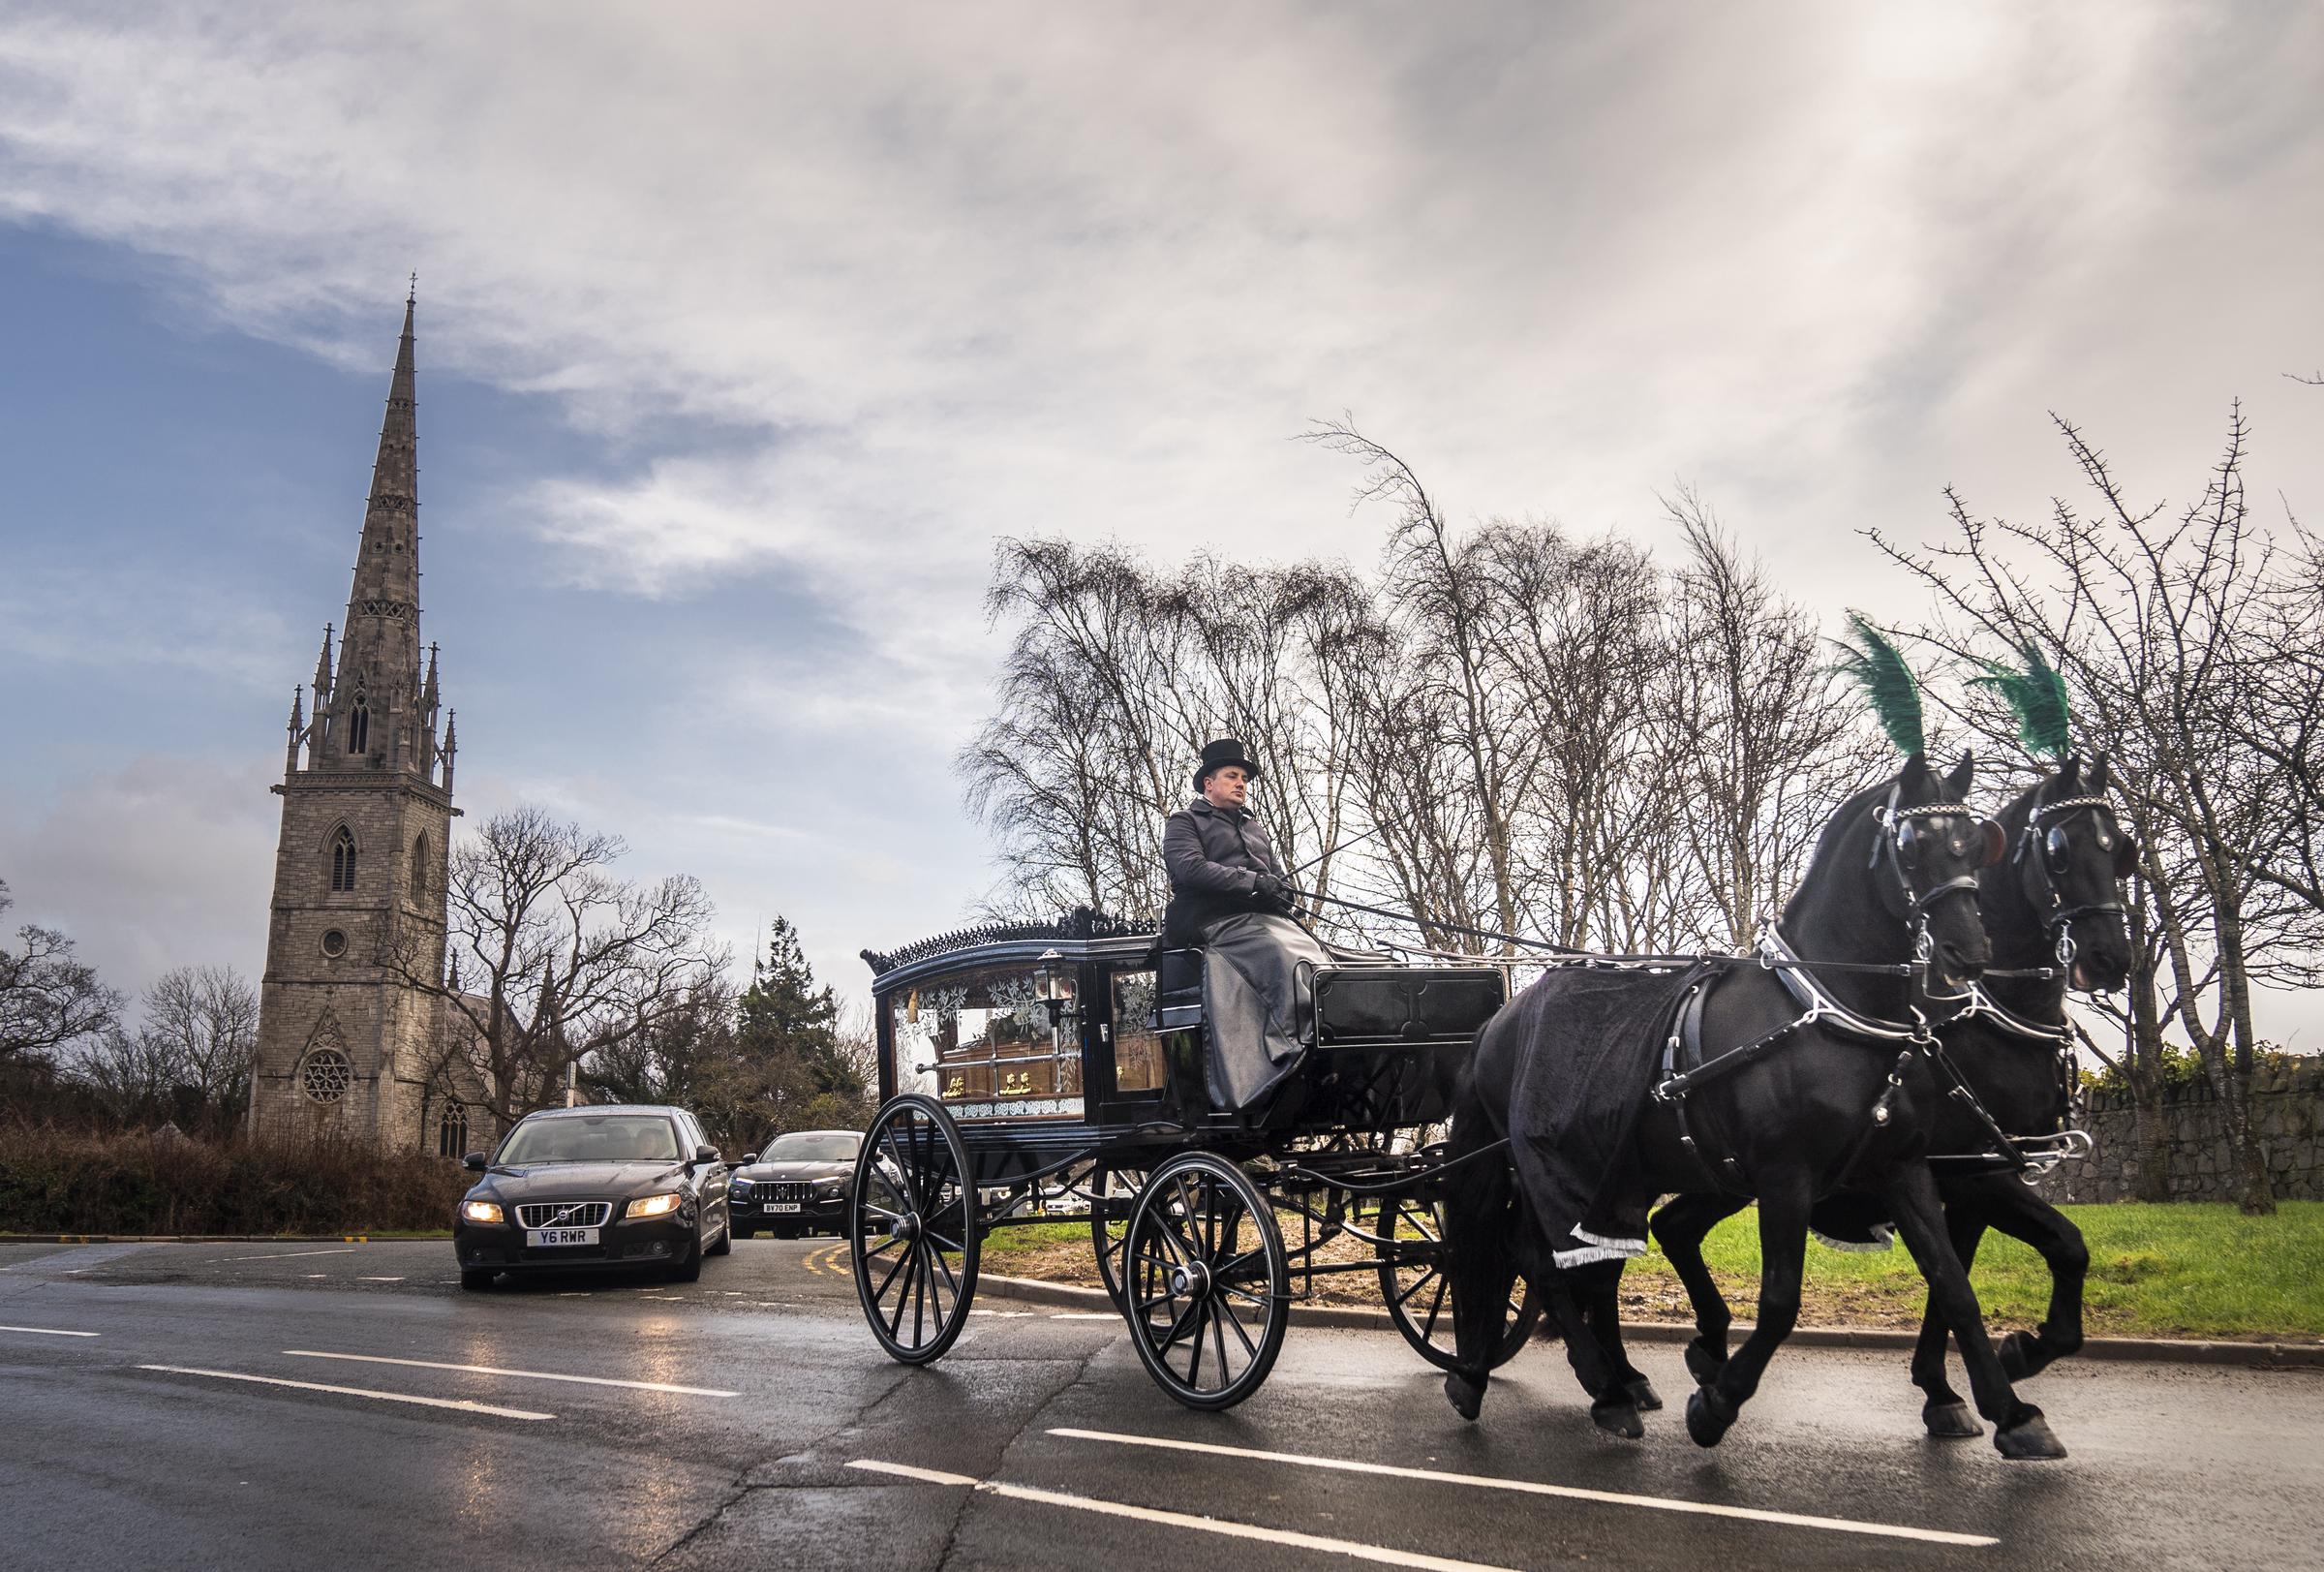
{"x":1684,"y":1068}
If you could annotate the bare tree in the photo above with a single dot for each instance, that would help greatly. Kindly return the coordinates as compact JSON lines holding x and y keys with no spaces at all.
{"x":2161,"y":623}
{"x":48,"y":998}
{"x":551,"y":957}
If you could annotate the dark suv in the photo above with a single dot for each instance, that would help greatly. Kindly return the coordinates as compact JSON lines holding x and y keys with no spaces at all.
{"x":605,"y":1187}
{"x":798,"y":1185}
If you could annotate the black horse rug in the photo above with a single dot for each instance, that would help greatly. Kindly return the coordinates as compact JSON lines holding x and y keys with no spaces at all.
{"x":1587,"y":1043}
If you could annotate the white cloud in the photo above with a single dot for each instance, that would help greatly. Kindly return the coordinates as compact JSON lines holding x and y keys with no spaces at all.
{"x":847,"y":293}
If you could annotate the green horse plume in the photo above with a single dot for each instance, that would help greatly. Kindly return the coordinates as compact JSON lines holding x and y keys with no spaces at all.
{"x":2038,"y":696}
{"x":1879,"y":668}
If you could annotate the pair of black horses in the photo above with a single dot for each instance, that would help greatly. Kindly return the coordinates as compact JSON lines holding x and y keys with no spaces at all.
{"x":1909,"y":899}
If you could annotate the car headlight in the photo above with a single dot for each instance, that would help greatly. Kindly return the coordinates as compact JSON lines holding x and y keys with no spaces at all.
{"x":482,"y":1211}
{"x":652,"y":1206}
{"x":741,"y":1186}
{"x":831,"y":1187}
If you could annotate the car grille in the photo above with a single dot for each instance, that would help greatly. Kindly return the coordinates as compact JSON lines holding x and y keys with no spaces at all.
{"x":565,"y":1213}
{"x":789,"y":1192}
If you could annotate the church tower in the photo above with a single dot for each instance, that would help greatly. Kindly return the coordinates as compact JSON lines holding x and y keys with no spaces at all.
{"x":348,"y":1029}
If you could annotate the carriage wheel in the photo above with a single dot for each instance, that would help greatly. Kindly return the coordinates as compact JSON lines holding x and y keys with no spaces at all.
{"x":1420,"y":1293}
{"x":1208,"y":1283}
{"x":1107,"y":1233}
{"x":913,"y":1218}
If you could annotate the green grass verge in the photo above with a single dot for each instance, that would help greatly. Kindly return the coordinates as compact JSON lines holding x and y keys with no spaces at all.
{"x":2182,"y":1269}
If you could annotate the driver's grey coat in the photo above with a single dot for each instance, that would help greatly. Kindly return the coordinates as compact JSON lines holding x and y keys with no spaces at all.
{"x":1215,"y":857}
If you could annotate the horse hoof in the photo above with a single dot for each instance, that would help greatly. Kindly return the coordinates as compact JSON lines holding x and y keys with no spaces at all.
{"x":1643,"y":1393}
{"x":1466,"y":1397}
{"x":2020,"y":1354}
{"x":1706,"y":1423}
{"x":1617,"y":1416}
{"x":1702,"y":1364}
{"x":1950,"y":1421}
{"x":2029,"y":1440}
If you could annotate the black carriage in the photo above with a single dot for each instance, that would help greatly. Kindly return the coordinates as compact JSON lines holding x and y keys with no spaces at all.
{"x":1037,"y":1071}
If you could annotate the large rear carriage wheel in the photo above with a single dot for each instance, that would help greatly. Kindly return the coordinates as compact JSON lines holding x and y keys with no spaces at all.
{"x":912,"y":1215}
{"x":1418,"y":1291}
{"x":1207,"y":1281}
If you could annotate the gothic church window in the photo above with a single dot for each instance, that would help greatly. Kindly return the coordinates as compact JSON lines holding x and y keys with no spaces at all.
{"x":343,"y":860}
{"x":419,"y":868}
{"x":326,"y":1075}
{"x":451,"y":1132}
{"x":358,"y":726}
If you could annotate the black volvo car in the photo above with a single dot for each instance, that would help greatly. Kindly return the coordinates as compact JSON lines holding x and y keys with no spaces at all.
{"x":798,"y":1185}
{"x":603,"y":1187}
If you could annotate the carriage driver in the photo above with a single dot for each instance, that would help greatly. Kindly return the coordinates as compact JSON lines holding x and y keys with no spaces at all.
{"x":1229,"y":895}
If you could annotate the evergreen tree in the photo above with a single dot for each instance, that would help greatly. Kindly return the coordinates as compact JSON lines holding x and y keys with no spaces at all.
{"x":788,"y":1036}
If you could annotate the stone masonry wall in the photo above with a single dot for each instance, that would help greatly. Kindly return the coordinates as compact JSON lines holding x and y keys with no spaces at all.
{"x":2289,"y":1106}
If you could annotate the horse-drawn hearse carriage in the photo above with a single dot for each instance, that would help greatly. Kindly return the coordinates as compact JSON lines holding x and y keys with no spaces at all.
{"x":1033,"y":1070}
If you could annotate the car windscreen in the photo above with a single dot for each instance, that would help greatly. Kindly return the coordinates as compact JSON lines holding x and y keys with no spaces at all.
{"x":805,"y":1147}
{"x":593,"y":1138}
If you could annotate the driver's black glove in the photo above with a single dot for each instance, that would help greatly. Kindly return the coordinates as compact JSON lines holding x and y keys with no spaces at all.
{"x":1268,"y":894}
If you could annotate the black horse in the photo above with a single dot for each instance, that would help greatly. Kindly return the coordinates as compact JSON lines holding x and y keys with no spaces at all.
{"x":1788,"y":1104}
{"x":2051,"y":904}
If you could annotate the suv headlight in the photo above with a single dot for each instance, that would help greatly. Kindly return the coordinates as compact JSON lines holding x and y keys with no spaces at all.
{"x":652,"y":1206}
{"x":831,"y":1187}
{"x":482,"y":1211}
{"x":741,"y":1186}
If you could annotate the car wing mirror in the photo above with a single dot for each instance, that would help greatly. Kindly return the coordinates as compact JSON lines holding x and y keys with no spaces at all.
{"x":474,"y":1162}
{"x":749,"y":1157}
{"x":705,"y":1153}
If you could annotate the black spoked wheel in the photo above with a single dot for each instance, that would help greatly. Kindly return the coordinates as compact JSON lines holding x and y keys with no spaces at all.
{"x":1420,"y":1294}
{"x":1207,"y":1281}
{"x":913,"y":1218}
{"x":1114,"y":1193}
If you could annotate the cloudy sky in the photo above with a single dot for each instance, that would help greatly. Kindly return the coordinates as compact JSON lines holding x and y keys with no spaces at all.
{"x":744,"y":330}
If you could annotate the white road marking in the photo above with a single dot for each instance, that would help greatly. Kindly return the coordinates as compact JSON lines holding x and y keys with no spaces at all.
{"x":1006,"y":1316}
{"x":1084,"y":1316}
{"x":1381,"y":1553}
{"x":283,"y":1255}
{"x":51,"y":1331}
{"x":1527,"y":1487}
{"x":527,"y":1375}
{"x":461,"y":1404}
{"x":379,"y":1279}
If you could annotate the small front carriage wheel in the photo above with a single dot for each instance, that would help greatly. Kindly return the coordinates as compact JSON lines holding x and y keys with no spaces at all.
{"x":912,"y":1215}
{"x":1419,"y":1292}
{"x":1113,"y":1195}
{"x":1207,"y":1281}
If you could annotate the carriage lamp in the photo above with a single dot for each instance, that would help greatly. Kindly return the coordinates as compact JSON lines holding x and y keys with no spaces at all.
{"x":652,"y":1206}
{"x":482,"y":1211}
{"x":1054,"y":995}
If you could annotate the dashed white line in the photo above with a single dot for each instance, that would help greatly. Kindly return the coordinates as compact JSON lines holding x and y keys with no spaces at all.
{"x":1381,"y":1553}
{"x":1084,"y":1316}
{"x":1527,"y":1487}
{"x":526,"y":1375}
{"x":50,"y":1331}
{"x":283,"y":1255}
{"x":461,"y":1404}
{"x":379,"y":1279}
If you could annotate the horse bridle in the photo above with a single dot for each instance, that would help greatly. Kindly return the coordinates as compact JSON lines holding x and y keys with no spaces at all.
{"x":2059,"y":920}
{"x":1897,"y":833}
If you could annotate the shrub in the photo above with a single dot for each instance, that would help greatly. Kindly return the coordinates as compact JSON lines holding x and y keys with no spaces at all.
{"x":66,"y":1182}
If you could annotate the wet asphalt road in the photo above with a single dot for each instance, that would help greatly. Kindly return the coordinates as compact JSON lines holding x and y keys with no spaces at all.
{"x":104,"y":1455}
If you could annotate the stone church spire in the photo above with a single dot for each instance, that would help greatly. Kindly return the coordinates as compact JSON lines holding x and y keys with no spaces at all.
{"x":374,"y":702}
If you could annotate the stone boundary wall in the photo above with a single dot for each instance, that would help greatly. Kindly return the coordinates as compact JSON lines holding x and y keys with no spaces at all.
{"x":2288,"y":1102}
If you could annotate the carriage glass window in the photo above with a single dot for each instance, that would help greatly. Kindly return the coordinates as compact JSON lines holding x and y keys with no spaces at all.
{"x":1001,"y":1039}
{"x":1136,"y":1045}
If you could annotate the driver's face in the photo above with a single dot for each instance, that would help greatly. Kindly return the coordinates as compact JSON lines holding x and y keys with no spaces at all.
{"x":1229,"y":785}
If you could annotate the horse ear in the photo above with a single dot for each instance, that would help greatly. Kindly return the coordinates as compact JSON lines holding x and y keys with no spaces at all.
{"x":1916,"y":766}
{"x":2099,"y":775}
{"x":1997,"y":842}
{"x":1962,"y":775}
{"x":2069,"y":773}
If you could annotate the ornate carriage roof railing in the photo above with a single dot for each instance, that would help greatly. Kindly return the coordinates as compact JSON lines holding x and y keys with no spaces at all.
{"x":1082,"y":923}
